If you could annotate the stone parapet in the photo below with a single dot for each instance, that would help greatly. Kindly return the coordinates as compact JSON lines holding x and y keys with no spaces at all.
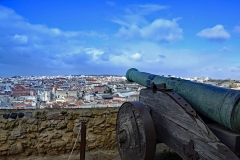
{"x":54,"y":131}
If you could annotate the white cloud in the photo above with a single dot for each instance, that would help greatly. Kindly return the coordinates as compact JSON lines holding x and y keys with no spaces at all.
{"x":217,"y":33}
{"x":235,"y":69}
{"x":161,"y":30}
{"x":134,"y":25}
{"x":94,"y":52}
{"x":136,"y":56}
{"x":36,"y":48}
{"x":22,"y":39}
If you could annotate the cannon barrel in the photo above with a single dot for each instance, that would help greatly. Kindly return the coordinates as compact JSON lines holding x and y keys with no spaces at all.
{"x":217,"y":103}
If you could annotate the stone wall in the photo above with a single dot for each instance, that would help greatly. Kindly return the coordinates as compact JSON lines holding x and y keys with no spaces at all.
{"x":53,"y":132}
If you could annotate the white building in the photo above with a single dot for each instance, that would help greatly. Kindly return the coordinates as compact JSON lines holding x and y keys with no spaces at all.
{"x":43,"y":95}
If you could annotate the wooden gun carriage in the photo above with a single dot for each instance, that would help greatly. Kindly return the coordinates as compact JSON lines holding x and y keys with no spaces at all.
{"x":196,"y":120}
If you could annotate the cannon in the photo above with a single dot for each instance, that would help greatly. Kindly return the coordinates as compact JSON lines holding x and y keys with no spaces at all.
{"x":196,"y":120}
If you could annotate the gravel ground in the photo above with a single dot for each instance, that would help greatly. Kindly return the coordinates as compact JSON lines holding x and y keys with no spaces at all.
{"x":90,"y":155}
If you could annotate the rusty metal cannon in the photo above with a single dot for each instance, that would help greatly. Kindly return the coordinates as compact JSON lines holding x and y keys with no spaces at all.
{"x":197,"y":120}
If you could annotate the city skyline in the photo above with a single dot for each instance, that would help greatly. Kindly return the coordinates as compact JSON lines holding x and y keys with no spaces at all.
{"x":193,"y":39}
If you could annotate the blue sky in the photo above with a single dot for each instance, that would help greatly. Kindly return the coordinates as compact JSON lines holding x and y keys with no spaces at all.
{"x":64,"y":37}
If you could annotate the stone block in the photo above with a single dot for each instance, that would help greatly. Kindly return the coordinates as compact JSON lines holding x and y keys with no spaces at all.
{"x":70,"y":126}
{"x":2,"y":125}
{"x":3,"y":137}
{"x":77,"y":124}
{"x":16,"y":133}
{"x":12,"y":138}
{"x":32,"y":128}
{"x":65,"y":119}
{"x":44,"y":125}
{"x":55,"y":122}
{"x":40,"y":115}
{"x":16,"y":148}
{"x":58,"y":144}
{"x":72,"y":116}
{"x":3,"y":153}
{"x":4,"y":121}
{"x":4,"y":147}
{"x":10,"y":125}
{"x":67,"y":137}
{"x":32,"y":121}
{"x":76,"y":129}
{"x":87,"y":113}
{"x":98,"y":121}
{"x":55,"y":116}
{"x":56,"y":135}
{"x":28,"y":114}
{"x":97,"y":113}
{"x":32,"y":136}
{"x":114,"y":110}
{"x":77,"y":120}
{"x":106,"y":112}
{"x":61,"y":125}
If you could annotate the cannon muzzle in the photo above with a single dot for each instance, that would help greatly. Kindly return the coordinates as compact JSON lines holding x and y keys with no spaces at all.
{"x":217,"y":103}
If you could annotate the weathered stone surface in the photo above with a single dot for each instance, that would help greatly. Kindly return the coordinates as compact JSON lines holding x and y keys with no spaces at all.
{"x":61,"y":125}
{"x":77,"y":124}
{"x":58,"y":144}
{"x":23,"y":128}
{"x":70,"y":126}
{"x":87,"y":113}
{"x":63,"y":112}
{"x":76,"y":129}
{"x":77,"y":120}
{"x":10,"y":125}
{"x":32,"y":136}
{"x":114,"y":110}
{"x":73,"y":116}
{"x":55,"y":122}
{"x":28,"y":114}
{"x":98,"y":121}
{"x":3,"y":120}
{"x":65,"y":119}
{"x":32,"y":128}
{"x":32,"y":121}
{"x":106,"y":112}
{"x":24,"y":120}
{"x":40,"y":115}
{"x":4,"y":147}
{"x":44,"y":125}
{"x":67,"y":137}
{"x":16,"y":148}
{"x":110,"y":129}
{"x":45,"y":133}
{"x":97,"y":113}
{"x":111,"y":121}
{"x":16,"y":133}
{"x":56,"y":135}
{"x":55,"y":116}
{"x":2,"y":125}
{"x":3,"y":137}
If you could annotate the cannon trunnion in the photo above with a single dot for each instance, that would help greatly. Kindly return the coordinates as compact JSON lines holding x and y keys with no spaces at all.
{"x":164,"y":116}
